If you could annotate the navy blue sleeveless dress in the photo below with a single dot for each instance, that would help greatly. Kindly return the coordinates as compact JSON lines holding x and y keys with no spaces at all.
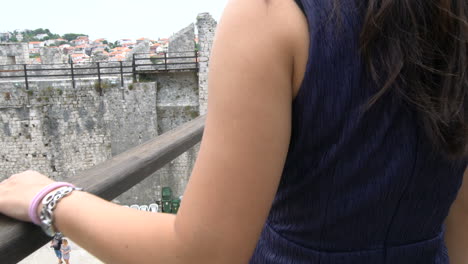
{"x":358,"y":187}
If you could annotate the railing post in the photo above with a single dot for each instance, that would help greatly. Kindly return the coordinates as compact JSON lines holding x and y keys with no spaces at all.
{"x":26,"y":76}
{"x":72,"y":75}
{"x":134,"y":68}
{"x":165,"y":61}
{"x":99,"y":78}
{"x":121,"y":75}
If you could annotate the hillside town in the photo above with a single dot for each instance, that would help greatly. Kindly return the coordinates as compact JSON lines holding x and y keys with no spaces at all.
{"x":81,"y":49}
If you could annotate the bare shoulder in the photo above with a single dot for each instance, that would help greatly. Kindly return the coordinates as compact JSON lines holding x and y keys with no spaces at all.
{"x":280,"y":18}
{"x":279,"y":24}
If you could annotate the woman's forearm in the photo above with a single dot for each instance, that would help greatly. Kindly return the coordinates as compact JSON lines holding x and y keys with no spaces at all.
{"x":116,"y":234}
{"x":456,"y":235}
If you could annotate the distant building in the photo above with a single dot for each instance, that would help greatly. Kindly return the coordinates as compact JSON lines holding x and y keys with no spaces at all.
{"x":5,"y":36}
{"x":154,"y":48}
{"x":129,"y":45}
{"x":54,"y":41}
{"x":118,"y":53}
{"x":81,"y":40}
{"x":41,"y":36}
{"x":67,"y":49}
{"x":77,"y":58}
{"x":99,"y":41}
{"x":164,"y":45}
{"x":61,"y":40}
{"x":162,"y":48}
{"x":81,"y":49}
{"x":35,"y":44}
{"x":140,"y":40}
{"x":124,"y":42}
{"x":163,"y":41}
{"x":50,"y":42}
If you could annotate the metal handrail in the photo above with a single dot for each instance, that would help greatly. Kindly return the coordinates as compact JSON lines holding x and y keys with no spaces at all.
{"x":168,"y":63}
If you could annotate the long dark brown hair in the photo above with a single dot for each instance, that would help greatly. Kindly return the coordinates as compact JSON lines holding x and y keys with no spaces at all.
{"x":420,"y":49}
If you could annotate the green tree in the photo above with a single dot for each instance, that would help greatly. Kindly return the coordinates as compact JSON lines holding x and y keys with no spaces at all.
{"x":13,"y":38}
{"x":114,"y":45}
{"x":54,"y":36}
{"x":72,"y":36}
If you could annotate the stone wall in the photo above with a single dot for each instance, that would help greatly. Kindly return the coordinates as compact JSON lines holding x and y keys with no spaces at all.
{"x":182,"y":44}
{"x":142,"y":47}
{"x":14,"y":53}
{"x":61,"y":131}
{"x":52,"y":55}
{"x":206,"y":26}
{"x":176,"y":103}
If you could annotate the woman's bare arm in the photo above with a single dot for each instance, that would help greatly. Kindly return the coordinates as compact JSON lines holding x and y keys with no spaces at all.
{"x":456,"y":235}
{"x":251,"y":85}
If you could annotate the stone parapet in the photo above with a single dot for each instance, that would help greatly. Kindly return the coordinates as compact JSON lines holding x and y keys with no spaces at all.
{"x":206,"y":26}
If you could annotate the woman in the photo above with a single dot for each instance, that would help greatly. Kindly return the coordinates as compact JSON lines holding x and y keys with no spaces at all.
{"x":66,"y":249}
{"x":335,"y":134}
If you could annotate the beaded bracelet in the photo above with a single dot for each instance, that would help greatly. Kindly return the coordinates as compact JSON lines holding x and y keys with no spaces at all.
{"x":32,"y":212}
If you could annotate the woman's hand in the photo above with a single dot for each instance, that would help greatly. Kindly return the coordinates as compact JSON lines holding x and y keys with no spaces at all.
{"x":17,"y":192}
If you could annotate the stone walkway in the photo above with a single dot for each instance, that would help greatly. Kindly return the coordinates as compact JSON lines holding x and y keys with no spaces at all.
{"x":46,"y":255}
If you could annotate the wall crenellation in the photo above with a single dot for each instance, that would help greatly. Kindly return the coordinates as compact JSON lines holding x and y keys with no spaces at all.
{"x":14,"y":53}
{"x":206,"y":26}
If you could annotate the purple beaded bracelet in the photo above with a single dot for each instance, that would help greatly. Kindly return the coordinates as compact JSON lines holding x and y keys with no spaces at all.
{"x":38,"y":198}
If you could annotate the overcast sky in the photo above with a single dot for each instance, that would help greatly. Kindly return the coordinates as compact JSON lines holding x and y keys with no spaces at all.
{"x":111,"y":19}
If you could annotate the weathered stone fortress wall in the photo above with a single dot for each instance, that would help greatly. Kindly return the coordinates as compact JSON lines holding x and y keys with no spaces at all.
{"x":14,"y":53}
{"x":52,"y":55}
{"x":181,"y":42}
{"x":206,"y":26}
{"x":60,"y":130}
{"x":176,"y":103}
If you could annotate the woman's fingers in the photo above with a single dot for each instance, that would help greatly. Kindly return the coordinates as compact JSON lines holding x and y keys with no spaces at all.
{"x":17,"y":192}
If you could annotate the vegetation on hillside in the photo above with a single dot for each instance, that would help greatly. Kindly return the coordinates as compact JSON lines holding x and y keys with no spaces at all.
{"x":72,"y":36}
{"x":32,"y":35}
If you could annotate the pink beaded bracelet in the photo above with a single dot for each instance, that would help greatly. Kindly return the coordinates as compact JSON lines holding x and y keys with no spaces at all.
{"x":38,"y":198}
